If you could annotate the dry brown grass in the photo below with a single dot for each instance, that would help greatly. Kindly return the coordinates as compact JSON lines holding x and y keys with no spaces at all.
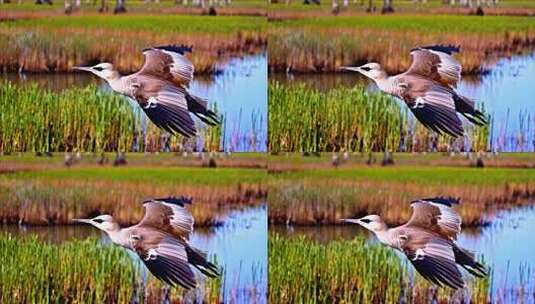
{"x":315,"y":49}
{"x":45,"y":202}
{"x":325,"y":201}
{"x":41,"y":49}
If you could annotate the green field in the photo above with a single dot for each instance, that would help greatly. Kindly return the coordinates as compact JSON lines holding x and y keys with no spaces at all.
{"x":423,"y":23}
{"x":182,"y":24}
{"x":158,"y":176}
{"x":399,"y":5}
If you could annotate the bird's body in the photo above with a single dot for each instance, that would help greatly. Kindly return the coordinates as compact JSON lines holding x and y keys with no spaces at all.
{"x":160,"y":239}
{"x":160,"y":89}
{"x":428,"y":241}
{"x":428,"y":89}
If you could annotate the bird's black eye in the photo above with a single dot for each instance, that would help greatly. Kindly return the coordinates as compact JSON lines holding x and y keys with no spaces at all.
{"x":367,"y":69}
{"x":98,"y":69}
{"x":367,"y":221}
{"x":99,"y":221}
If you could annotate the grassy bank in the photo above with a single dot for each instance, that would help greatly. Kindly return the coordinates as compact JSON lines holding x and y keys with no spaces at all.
{"x":82,"y":120}
{"x":31,"y":10}
{"x":59,"y":43}
{"x":302,"y":119}
{"x":79,"y":271}
{"x":302,"y":271}
{"x":323,"y":196}
{"x":284,"y":162}
{"x":55,"y":196}
{"x":30,"y":162}
{"x":323,"y":44}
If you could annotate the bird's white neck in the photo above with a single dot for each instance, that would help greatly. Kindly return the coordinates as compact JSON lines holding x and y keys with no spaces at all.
{"x":119,"y":237}
{"x":385,"y":84}
{"x":117,"y":85}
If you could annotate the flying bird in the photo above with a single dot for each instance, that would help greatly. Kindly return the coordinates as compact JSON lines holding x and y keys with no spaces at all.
{"x":160,"y":89}
{"x":428,"y":241}
{"x":428,"y":89}
{"x":160,"y":239}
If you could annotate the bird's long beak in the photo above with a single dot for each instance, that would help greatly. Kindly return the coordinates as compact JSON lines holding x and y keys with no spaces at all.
{"x":87,"y":221}
{"x":80,"y":68}
{"x":349,"y":68}
{"x":353,"y":221}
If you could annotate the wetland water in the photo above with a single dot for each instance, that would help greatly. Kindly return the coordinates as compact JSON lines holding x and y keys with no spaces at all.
{"x":507,"y":92}
{"x":239,"y":90}
{"x":240,"y":245}
{"x":506,"y":246}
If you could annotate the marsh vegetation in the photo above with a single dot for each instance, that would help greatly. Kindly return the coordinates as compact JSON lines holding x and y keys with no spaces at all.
{"x":323,"y":44}
{"x":108,"y":276}
{"x":305,"y":119}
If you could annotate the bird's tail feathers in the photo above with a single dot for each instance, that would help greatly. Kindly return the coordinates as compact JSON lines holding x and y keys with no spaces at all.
{"x":198,"y":259}
{"x":467,"y":260}
{"x":199,"y":107}
{"x":466,"y":107}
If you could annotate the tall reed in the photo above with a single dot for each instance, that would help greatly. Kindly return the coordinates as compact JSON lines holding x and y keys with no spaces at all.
{"x":78,"y":272}
{"x":86,"y":120}
{"x":302,"y":271}
{"x":303,"y":119}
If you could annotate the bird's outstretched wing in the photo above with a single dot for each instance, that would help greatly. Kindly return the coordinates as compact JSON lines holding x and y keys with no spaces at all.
{"x":436,"y":62}
{"x":433,"y":105}
{"x":165,"y":257}
{"x":168,"y":62}
{"x":433,"y":258}
{"x":170,"y":215}
{"x":436,"y":214}
{"x":165,"y":105}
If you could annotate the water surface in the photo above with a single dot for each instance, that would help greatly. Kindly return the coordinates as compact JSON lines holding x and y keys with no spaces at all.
{"x":506,"y":245}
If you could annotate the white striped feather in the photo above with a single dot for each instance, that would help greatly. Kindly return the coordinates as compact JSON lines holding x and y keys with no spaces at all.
{"x":181,"y":67}
{"x":449,"y":68}
{"x":448,"y":218}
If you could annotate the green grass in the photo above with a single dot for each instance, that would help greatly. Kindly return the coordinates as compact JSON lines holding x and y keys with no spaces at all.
{"x":75,"y":272}
{"x":153,"y":23}
{"x":419,"y":23}
{"x":399,"y":5}
{"x":78,"y":119}
{"x":157,"y":176}
{"x":135,"y":6}
{"x":425,"y":175}
{"x":356,"y":271}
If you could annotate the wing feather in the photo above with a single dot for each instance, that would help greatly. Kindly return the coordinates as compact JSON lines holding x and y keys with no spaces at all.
{"x":436,"y":62}
{"x":436,"y":214}
{"x":170,"y":215}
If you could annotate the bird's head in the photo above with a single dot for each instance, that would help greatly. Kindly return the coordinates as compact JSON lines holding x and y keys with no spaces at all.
{"x":103,"y":70}
{"x":372,"y":222}
{"x":103,"y":222}
{"x":371,"y":70}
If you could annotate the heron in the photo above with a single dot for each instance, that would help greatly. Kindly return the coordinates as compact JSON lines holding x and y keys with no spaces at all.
{"x":160,"y":239}
{"x":428,"y":241}
{"x":160,"y":89}
{"x":428,"y":89}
